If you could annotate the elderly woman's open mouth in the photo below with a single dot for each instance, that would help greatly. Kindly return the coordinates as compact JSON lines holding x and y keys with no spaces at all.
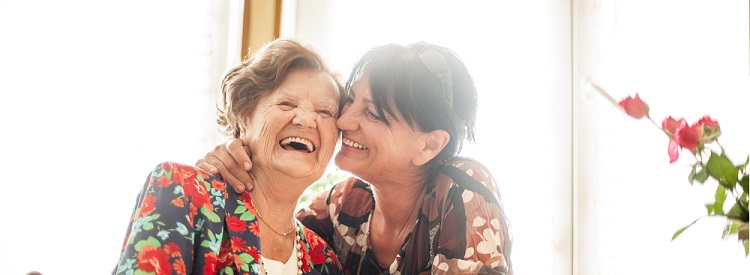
{"x":297,"y":143}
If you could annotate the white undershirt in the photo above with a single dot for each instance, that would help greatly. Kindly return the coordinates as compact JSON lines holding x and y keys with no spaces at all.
{"x":276,"y":267}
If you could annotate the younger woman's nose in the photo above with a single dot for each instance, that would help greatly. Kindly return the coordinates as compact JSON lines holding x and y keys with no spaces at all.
{"x":348,"y":119}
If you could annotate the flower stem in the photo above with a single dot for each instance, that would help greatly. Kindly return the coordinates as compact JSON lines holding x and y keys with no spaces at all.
{"x":608,"y":97}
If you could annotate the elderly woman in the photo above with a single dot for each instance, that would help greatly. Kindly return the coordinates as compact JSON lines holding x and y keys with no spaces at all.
{"x":283,"y":103}
{"x":414,"y":207}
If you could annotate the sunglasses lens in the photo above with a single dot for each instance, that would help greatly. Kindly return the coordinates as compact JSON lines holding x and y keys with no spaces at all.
{"x":435,"y":62}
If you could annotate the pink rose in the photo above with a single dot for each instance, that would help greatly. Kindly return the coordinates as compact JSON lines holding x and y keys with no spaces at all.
{"x":673,"y":151}
{"x":708,"y":123}
{"x":670,"y":124}
{"x":689,"y":137}
{"x":634,"y":107}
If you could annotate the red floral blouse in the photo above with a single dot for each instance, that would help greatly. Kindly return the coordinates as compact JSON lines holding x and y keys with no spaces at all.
{"x":461,"y":227}
{"x":185,"y":222}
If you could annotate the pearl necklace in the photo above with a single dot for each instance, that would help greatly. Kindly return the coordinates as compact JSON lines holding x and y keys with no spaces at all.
{"x":297,"y":247}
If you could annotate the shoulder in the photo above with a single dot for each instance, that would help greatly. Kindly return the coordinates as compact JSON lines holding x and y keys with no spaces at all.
{"x":468,"y":174}
{"x":180,"y":170}
{"x":183,"y":174}
{"x":197,"y":185}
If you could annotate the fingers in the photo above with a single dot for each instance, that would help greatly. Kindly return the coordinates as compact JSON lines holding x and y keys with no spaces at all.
{"x":202,"y":164}
{"x":226,"y":173}
{"x":220,"y":161}
{"x":233,"y":162}
{"x":240,"y":153}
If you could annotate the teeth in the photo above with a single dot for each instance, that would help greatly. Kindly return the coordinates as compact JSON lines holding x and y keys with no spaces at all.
{"x":308,"y":144}
{"x":353,"y":143}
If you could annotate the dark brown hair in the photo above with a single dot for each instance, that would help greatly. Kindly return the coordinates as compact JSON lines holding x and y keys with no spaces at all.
{"x":397,"y":75}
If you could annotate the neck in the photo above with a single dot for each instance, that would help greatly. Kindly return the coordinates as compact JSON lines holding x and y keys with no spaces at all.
{"x":397,"y":202}
{"x":275,"y":197}
{"x":276,"y":209}
{"x":277,"y":189}
{"x":395,"y":212}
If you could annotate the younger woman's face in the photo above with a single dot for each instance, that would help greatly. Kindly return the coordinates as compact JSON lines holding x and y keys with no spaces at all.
{"x":371,"y":149}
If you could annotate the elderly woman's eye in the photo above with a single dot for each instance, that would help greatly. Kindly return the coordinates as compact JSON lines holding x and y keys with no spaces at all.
{"x":286,"y":105}
{"x":325,"y":113}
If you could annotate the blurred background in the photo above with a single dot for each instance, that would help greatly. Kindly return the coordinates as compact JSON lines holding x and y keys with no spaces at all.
{"x":94,"y":94}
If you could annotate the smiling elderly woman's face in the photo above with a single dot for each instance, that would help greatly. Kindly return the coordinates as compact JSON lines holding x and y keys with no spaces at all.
{"x":293,"y":129}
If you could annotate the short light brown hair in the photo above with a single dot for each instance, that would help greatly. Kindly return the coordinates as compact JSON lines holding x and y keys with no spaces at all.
{"x":258,"y":76}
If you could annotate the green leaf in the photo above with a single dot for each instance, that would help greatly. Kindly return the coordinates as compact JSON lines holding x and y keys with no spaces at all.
{"x":247,"y":216}
{"x":211,"y":235}
{"x":747,"y":249}
{"x":148,"y":226}
{"x":721,"y":168}
{"x":720,"y":196}
{"x":150,"y":241}
{"x":153,"y":241}
{"x":182,"y":229}
{"x":743,"y":183}
{"x":710,"y":208}
{"x":701,"y":176}
{"x":743,"y":166}
{"x":691,"y":176}
{"x":240,"y":209}
{"x":247,"y":258}
{"x":678,"y":232}
{"x":141,"y":272}
{"x":737,"y":213}
{"x":730,"y":228}
{"x":139,"y":245}
{"x":210,"y":215}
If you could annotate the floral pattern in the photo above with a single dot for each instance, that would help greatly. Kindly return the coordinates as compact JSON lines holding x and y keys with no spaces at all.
{"x":460,"y":229}
{"x":185,"y":222}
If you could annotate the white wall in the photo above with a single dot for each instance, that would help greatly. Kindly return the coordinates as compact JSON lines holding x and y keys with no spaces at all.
{"x":94,"y":94}
{"x":684,"y":58}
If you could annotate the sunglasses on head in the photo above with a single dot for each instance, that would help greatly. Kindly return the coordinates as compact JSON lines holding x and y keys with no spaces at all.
{"x":437,"y":64}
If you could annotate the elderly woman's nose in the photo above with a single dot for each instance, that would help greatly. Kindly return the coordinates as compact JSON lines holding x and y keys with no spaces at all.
{"x":304,"y":118}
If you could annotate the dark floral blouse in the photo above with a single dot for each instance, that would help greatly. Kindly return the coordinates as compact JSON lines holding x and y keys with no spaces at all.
{"x":185,"y":222}
{"x":461,"y":227}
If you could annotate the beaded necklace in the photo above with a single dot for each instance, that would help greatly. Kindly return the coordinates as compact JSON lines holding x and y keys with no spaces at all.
{"x":297,"y":247}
